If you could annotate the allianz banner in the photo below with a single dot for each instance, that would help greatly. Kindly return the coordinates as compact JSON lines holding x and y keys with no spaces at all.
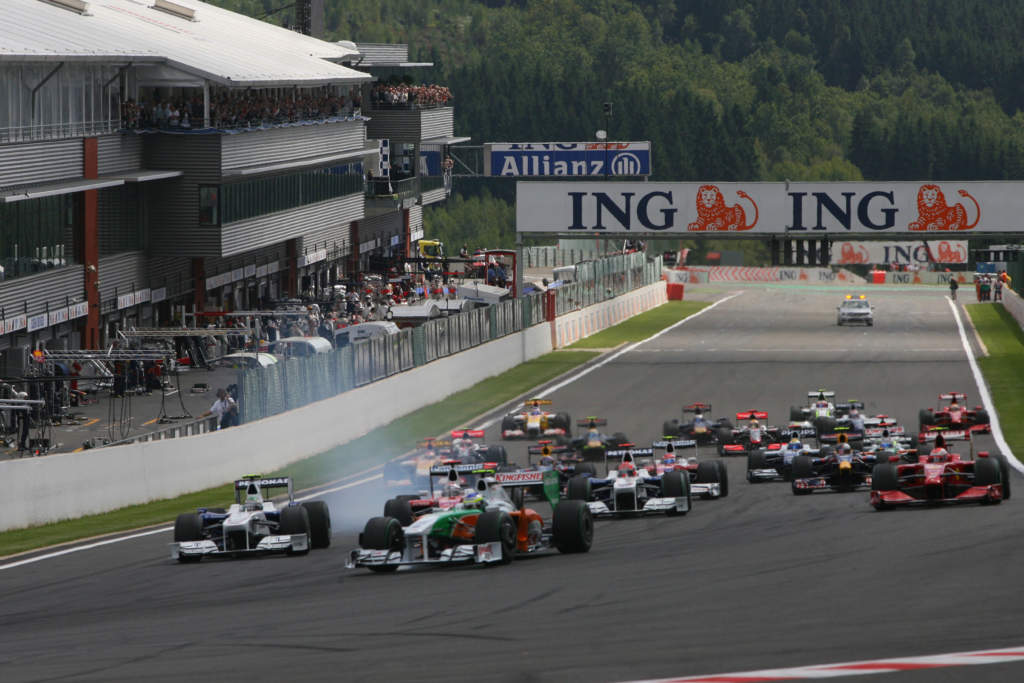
{"x":594,"y":159}
{"x":903,"y":253}
{"x":794,"y":209}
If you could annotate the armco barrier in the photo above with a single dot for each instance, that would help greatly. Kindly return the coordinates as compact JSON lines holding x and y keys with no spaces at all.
{"x":69,"y":485}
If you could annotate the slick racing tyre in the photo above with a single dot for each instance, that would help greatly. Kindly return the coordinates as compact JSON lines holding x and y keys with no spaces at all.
{"x":497,"y":525}
{"x":618,"y":438}
{"x":824,"y":425}
{"x":885,"y":477}
{"x":756,"y":461}
{"x":572,"y":527}
{"x":497,"y":453}
{"x":507,"y":424}
{"x":670,"y":428}
{"x":188,"y":527}
{"x":319,"y":523}
{"x":676,"y":484}
{"x":295,"y":520}
{"x":382,"y":533}
{"x":986,"y":472}
{"x":400,"y":510}
{"x":585,"y":468}
{"x":803,"y":467}
{"x":563,"y":420}
{"x":593,"y":454}
{"x":925,"y":418}
{"x":981,"y":417}
{"x":579,"y":488}
{"x":1004,"y":473}
{"x":709,"y":472}
{"x":796,"y":414}
{"x":723,"y":477}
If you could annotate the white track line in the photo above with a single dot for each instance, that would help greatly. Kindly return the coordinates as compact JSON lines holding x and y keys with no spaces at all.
{"x":862,"y":668}
{"x":586,"y":371}
{"x":986,"y":398}
{"x":119,"y":539}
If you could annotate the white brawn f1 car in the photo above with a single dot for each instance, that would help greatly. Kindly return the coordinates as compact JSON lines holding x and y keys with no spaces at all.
{"x":252,"y":525}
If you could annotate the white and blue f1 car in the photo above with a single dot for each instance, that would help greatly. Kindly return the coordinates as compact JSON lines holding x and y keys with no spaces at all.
{"x":252,"y":524}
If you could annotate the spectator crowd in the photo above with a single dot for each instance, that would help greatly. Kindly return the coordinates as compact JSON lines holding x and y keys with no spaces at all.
{"x":237,"y":109}
{"x":404,"y":95}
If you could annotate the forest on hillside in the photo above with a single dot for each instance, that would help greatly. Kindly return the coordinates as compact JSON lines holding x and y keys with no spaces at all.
{"x":723,"y":89}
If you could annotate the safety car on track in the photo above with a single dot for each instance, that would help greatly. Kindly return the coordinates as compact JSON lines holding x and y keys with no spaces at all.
{"x":252,"y":524}
{"x":939,"y":476}
{"x":855,"y":309}
{"x":488,"y":527}
{"x":952,"y":413}
{"x":632,"y":490}
{"x":531,"y":421}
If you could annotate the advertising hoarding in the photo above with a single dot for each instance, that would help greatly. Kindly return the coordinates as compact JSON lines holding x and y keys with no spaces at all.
{"x":567,"y":159}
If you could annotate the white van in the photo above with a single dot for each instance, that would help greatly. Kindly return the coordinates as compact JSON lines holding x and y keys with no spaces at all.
{"x":375,"y":328}
{"x":301,"y":347}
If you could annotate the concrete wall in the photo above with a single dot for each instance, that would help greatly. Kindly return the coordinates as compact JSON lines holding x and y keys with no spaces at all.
{"x":1014,"y":305}
{"x":576,"y":325}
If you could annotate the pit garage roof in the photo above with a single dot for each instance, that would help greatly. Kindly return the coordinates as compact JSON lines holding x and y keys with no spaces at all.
{"x":222,"y":46}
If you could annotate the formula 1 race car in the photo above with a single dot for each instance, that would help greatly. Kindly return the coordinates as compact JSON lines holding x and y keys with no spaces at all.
{"x":838,"y":469}
{"x":701,"y":428}
{"x":415,"y":470}
{"x":708,"y":478}
{"x":951,"y":414}
{"x":252,"y":524}
{"x":941,"y":477}
{"x":629,"y":490}
{"x":592,"y":445}
{"x":746,"y":438}
{"x":774,"y":462}
{"x":487,"y":528}
{"x":459,"y":481}
{"x":531,"y":422}
{"x":562,"y":459}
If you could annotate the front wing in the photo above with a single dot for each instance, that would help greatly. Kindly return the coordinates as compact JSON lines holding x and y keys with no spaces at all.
{"x":825,"y":484}
{"x":652,"y":506}
{"x":993,"y":493}
{"x":468,"y":553}
{"x":268,"y":544}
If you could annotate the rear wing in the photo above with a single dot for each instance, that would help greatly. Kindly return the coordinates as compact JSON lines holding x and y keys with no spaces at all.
{"x":548,"y":481}
{"x":264,"y":483}
{"x":947,"y":435}
{"x":751,"y":415}
{"x":698,"y":407}
{"x":595,"y":421}
{"x":431,"y":442}
{"x":467,"y":468}
{"x":628,"y":454}
{"x":953,"y":396}
{"x":537,"y":402}
{"x":468,"y":433}
{"x":821,"y":392}
{"x":671,"y":445}
{"x":852,"y":403}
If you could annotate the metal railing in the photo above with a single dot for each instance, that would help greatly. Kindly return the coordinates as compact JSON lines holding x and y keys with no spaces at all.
{"x":56,"y":131}
{"x":553,"y":257}
{"x":298,"y":381}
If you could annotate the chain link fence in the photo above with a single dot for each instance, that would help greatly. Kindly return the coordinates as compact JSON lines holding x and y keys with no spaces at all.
{"x":298,"y":381}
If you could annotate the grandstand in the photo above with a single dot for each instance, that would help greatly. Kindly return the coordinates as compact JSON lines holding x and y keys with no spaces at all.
{"x":161,"y":157}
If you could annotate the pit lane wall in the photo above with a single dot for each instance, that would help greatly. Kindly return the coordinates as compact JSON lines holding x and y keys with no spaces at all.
{"x":70,"y":485}
{"x":1014,"y":305}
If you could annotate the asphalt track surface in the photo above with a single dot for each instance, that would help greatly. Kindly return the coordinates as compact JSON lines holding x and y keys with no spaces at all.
{"x":761,"y":579}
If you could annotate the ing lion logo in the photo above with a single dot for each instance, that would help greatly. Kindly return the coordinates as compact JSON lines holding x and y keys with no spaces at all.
{"x":714,"y":215}
{"x":851,"y":253}
{"x":933,"y":214}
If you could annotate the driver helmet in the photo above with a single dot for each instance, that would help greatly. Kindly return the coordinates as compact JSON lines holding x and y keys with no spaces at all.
{"x":535,"y":410}
{"x":754,"y":423}
{"x":451,"y":490}
{"x":954,"y":405}
{"x":939,"y":452}
{"x":547,"y":461}
{"x":795,"y":445}
{"x":822,"y":404}
{"x":627,"y":469}
{"x":844,"y":448}
{"x":669,"y":459}
{"x":474,"y":500}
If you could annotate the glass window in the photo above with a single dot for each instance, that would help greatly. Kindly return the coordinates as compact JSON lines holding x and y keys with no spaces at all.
{"x":35,"y":235}
{"x":208,"y":209}
{"x":262,"y":196}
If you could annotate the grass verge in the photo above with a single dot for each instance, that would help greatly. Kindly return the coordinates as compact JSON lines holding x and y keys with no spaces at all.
{"x":641,"y":326}
{"x":1003,"y":368}
{"x":373,"y":448}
